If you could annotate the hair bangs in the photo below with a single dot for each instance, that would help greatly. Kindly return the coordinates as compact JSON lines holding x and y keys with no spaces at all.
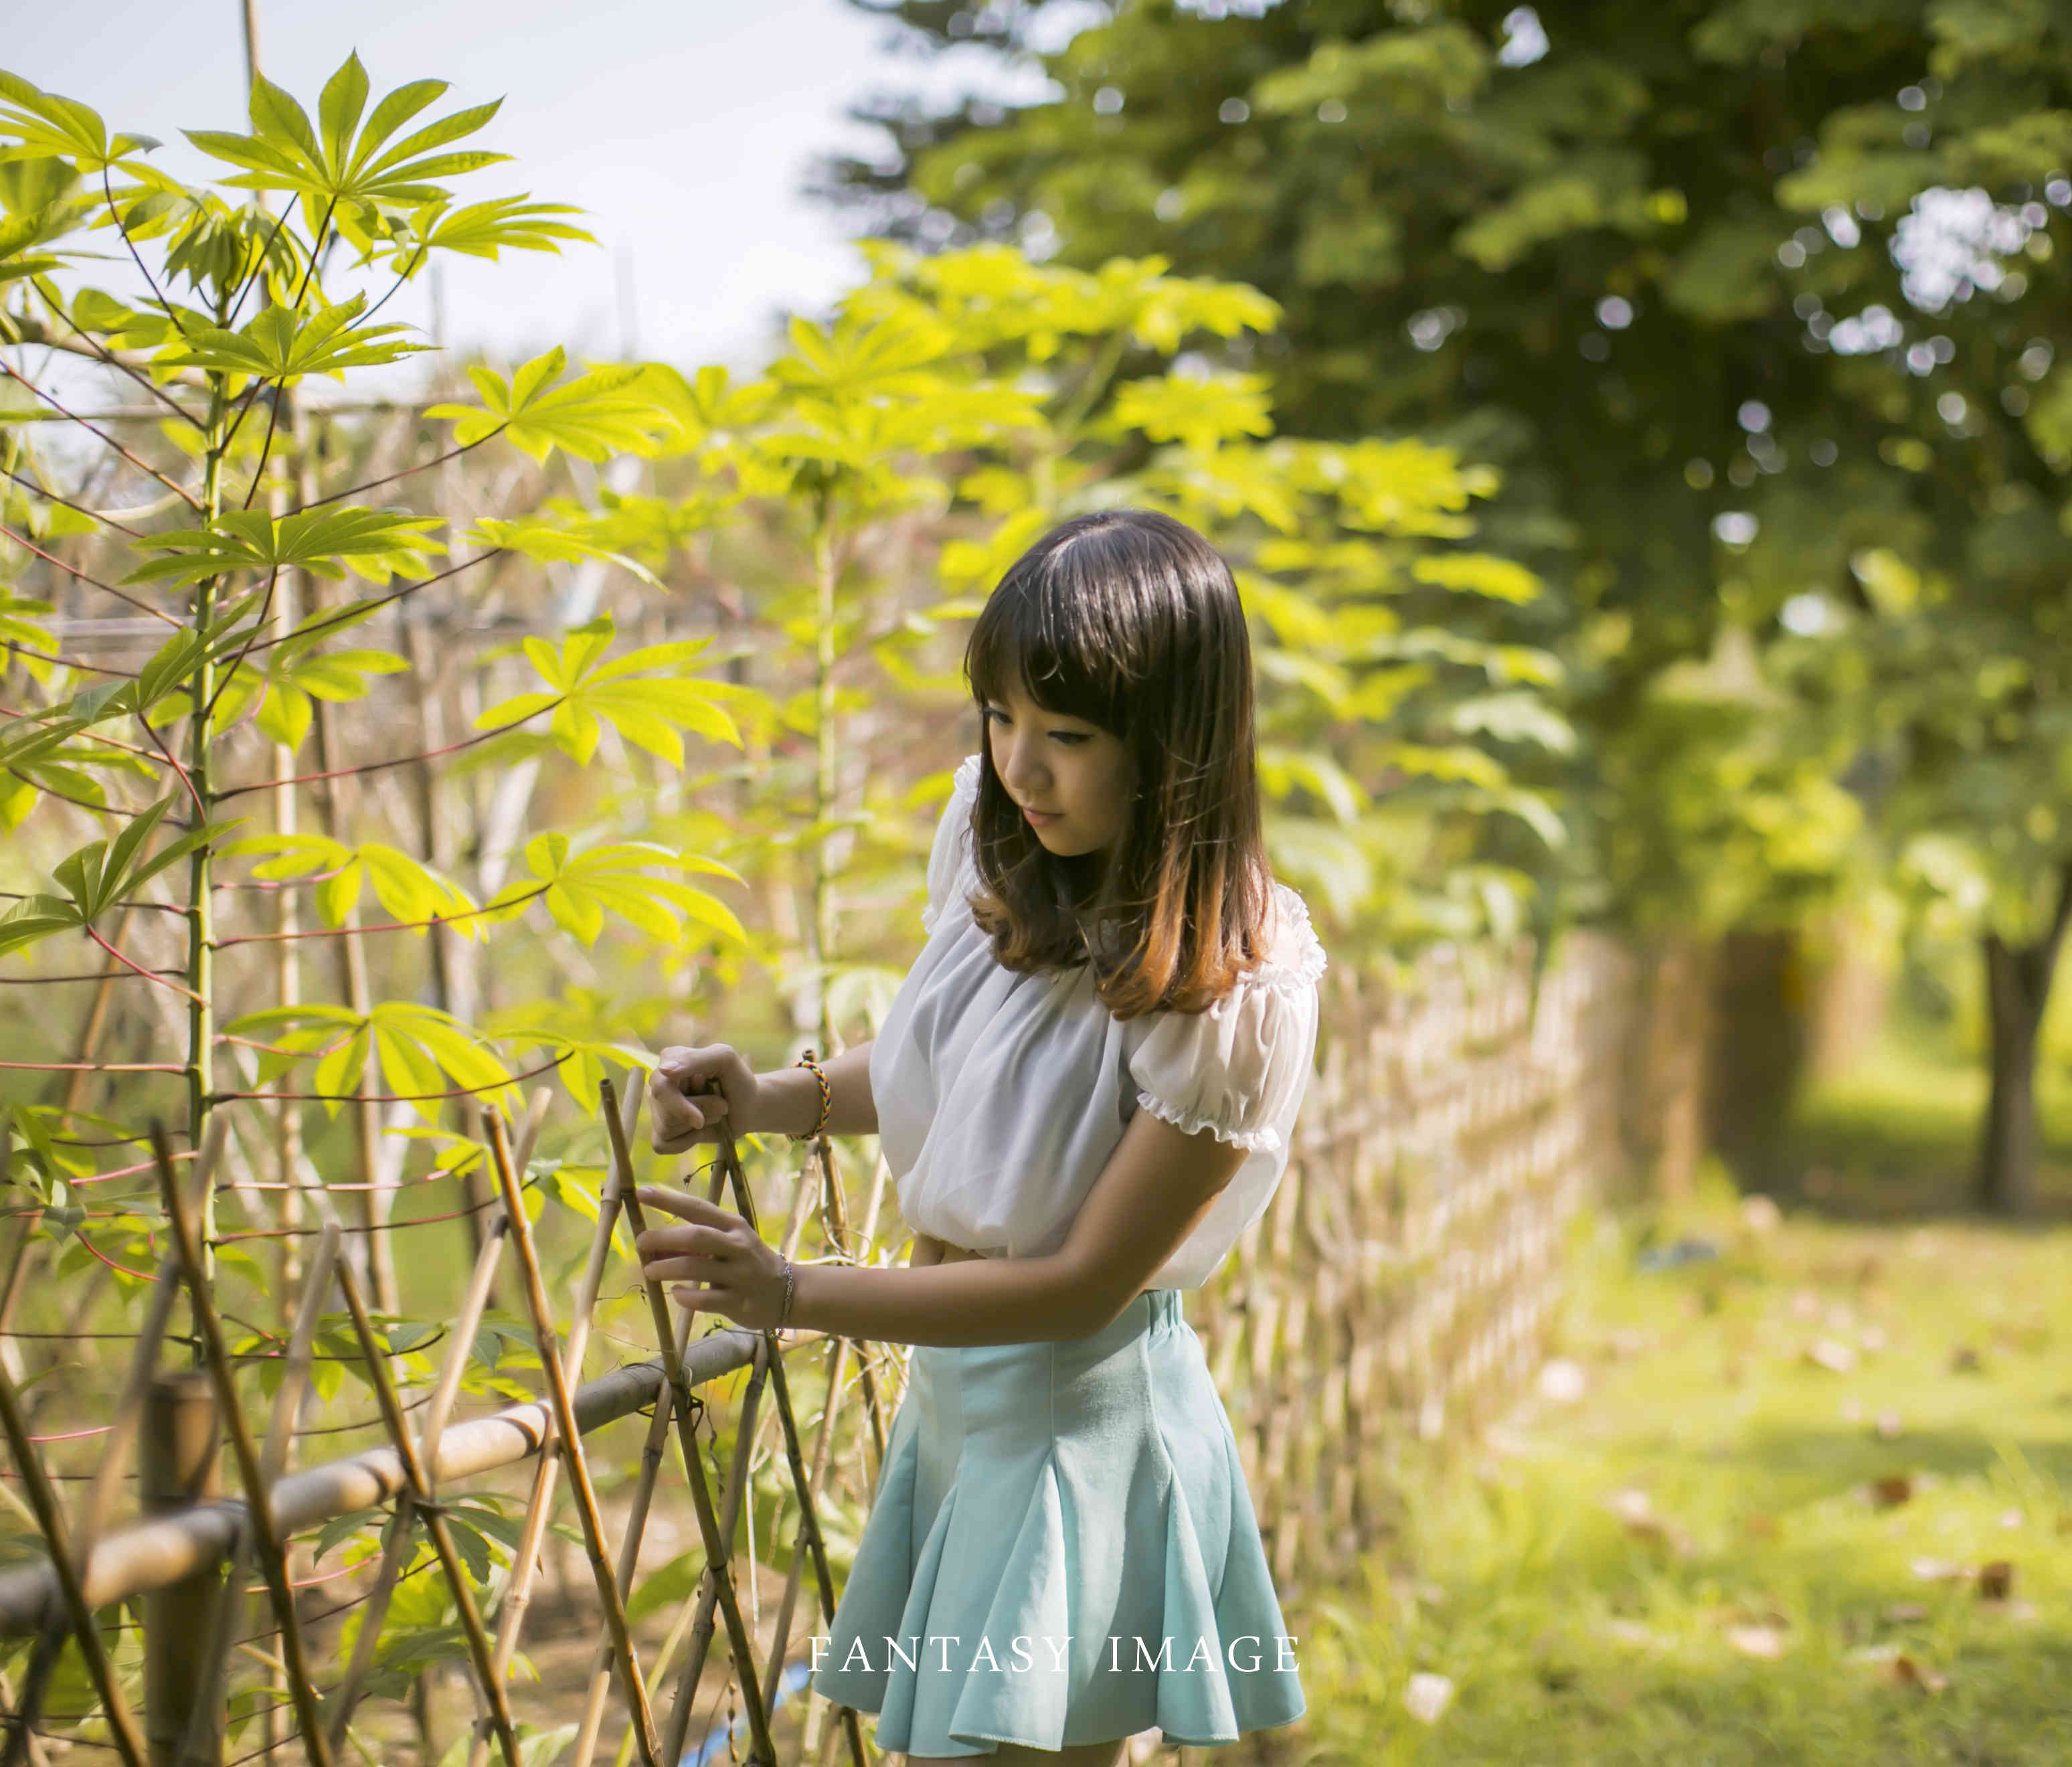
{"x":1130,"y":621}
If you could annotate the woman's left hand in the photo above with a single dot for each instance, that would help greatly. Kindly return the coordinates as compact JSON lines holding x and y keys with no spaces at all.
{"x":717,"y":1261}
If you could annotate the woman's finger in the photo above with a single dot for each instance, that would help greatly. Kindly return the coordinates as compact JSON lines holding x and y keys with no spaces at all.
{"x":704,"y":1270}
{"x":689,"y":1237}
{"x":683,"y":1204}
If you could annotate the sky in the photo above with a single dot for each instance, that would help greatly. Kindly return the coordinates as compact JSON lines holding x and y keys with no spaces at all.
{"x":685,"y":130}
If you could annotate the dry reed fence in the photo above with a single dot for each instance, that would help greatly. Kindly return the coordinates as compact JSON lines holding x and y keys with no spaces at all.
{"x":1402,"y":1283}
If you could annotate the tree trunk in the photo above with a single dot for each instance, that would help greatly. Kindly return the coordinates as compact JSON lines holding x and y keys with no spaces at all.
{"x":2018,"y":981}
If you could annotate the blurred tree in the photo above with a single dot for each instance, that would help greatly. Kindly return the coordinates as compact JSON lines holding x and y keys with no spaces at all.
{"x":1738,"y":294}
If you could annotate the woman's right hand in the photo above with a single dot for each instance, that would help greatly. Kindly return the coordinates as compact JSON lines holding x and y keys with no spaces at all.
{"x":678,"y":1120}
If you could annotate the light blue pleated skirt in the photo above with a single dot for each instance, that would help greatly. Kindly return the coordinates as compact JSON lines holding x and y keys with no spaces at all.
{"x":1061,"y":1550}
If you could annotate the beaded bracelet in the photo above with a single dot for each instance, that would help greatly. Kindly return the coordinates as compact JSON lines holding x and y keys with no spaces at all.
{"x":791,"y":1287}
{"x":827,"y":1095}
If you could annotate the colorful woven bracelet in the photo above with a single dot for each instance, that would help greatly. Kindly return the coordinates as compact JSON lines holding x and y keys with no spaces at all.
{"x":827,"y":1096}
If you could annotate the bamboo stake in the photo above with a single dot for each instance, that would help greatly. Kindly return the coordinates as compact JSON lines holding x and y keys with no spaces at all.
{"x":539,"y":1506}
{"x":729,"y":1171}
{"x":718,"y":1553}
{"x":708,"y":1593}
{"x":652,"y":1453}
{"x":570,"y":1442}
{"x":258,"y":1496}
{"x":693,"y":1669}
{"x":202,"y":1743}
{"x":395,"y":1545}
{"x":122,"y":1724}
{"x":418,"y":1499}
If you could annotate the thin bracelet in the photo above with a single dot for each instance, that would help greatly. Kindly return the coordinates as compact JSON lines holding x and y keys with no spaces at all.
{"x":790,"y":1286}
{"x":827,"y":1095}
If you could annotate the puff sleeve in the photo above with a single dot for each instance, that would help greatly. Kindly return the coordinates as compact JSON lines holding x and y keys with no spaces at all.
{"x":949,"y":860}
{"x":1240,"y":1067}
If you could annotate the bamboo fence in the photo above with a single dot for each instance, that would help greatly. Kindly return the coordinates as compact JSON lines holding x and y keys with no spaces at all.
{"x":1402,"y":1284}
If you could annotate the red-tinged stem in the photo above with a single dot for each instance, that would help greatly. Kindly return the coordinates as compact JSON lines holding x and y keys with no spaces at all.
{"x":185,"y":993}
{"x":96,"y":1067}
{"x":67,"y":662}
{"x":116,"y":362}
{"x":186,"y":496}
{"x":84,"y":976}
{"x":422,"y":466}
{"x":258,"y":625}
{"x":399,"y":1098}
{"x":361,"y":610}
{"x":385,"y":927}
{"x":201,"y":812}
{"x":112,"y":743}
{"x":48,"y":496}
{"x":77,"y":803}
{"x":74,"y":571}
{"x":376,"y":766}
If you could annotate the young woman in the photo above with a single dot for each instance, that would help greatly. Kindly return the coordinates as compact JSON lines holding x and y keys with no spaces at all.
{"x":1085,"y":1090}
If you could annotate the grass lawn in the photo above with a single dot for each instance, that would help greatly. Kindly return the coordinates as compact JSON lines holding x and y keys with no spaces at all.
{"x":1813,"y":1504}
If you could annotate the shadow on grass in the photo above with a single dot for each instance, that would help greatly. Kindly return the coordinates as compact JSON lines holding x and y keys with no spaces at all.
{"x":1898,"y":1139}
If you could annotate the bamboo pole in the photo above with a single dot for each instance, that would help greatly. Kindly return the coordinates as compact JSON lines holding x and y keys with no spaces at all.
{"x":155,"y":1553}
{"x":652,"y":1453}
{"x":418,"y":1497}
{"x":539,"y":1506}
{"x":258,"y":1496}
{"x":122,"y":1724}
{"x":180,"y":1465}
{"x":204,"y":1733}
{"x":395,"y":1547}
{"x":570,"y":1440}
{"x":718,"y":1547}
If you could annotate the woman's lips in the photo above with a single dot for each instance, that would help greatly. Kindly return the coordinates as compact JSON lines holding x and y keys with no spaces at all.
{"x":1038,"y":817}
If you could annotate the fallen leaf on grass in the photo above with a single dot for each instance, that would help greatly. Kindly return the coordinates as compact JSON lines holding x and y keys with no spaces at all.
{"x":1636,"y":1509}
{"x":1830,"y":1354}
{"x":1889,"y":1492}
{"x":1427,"y":1697}
{"x":1964,"y":1360}
{"x":1906,"y":1673}
{"x":1766,"y":1643}
{"x":1996,"y":1580}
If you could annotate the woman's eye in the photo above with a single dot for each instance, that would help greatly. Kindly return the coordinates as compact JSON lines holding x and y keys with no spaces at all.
{"x":1072,"y":737}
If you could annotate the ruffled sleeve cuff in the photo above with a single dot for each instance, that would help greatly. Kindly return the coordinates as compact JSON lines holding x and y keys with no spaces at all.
{"x":1240,"y":1069}
{"x":950,"y":858}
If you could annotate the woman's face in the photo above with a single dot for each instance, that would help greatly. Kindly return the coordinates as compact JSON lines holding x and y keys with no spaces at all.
{"x":1074,"y":771}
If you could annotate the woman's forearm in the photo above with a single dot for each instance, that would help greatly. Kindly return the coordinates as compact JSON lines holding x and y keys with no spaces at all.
{"x":977,"y":1301}
{"x":792,"y":1096}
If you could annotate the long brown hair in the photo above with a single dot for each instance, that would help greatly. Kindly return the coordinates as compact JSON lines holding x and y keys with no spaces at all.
{"x":1129,"y":620}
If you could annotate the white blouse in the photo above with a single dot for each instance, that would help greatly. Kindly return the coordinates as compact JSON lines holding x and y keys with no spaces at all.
{"x":1001,"y":1096}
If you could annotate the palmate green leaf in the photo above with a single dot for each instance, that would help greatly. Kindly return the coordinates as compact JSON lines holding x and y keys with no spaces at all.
{"x":515,"y":224}
{"x":101,"y":872}
{"x":33,"y":919}
{"x":1282,"y":771}
{"x":298,"y":676}
{"x":349,"y":169}
{"x":374,"y":544}
{"x":283,"y":346}
{"x":640,"y":695}
{"x":1199,"y":413}
{"x":39,"y":125}
{"x":419,"y":1050}
{"x":609,"y":410}
{"x":553,"y":545}
{"x":406,"y":888}
{"x":583,"y":887}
